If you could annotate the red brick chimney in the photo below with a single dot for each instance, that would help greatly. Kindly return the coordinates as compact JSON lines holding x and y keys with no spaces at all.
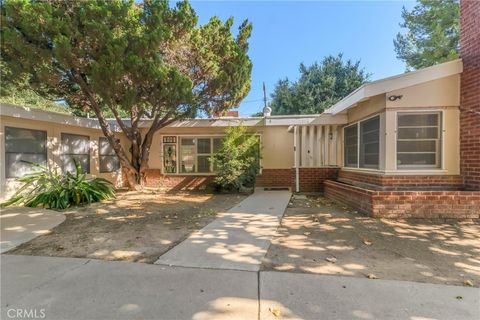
{"x":470,"y":93}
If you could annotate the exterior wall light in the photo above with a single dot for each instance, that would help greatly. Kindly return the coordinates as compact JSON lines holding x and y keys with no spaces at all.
{"x":394,"y":98}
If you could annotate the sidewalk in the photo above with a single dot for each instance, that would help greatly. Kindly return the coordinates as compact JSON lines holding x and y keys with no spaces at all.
{"x":21,"y":224}
{"x":70,"y":289}
{"x":237,"y":239}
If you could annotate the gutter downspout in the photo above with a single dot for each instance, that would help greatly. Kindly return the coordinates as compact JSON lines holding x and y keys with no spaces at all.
{"x":295,"y":157}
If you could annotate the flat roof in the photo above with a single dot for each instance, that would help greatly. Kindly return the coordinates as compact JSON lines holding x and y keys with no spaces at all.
{"x":65,"y":119}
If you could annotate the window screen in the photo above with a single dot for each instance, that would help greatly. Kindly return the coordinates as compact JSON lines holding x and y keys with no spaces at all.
{"x":418,"y":140}
{"x":351,"y":146}
{"x":108,"y":159}
{"x":369,"y":143}
{"x":24,"y":145}
{"x":75,"y":147}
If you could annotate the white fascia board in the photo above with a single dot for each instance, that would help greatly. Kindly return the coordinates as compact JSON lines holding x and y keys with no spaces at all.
{"x":397,"y":82}
{"x":21,"y":112}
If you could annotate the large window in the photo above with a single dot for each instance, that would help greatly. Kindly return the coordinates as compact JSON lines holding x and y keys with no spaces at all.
{"x":75,"y":147}
{"x":23,"y":145}
{"x":195,"y":154}
{"x":361,"y":143}
{"x":351,"y":146}
{"x":108,"y":158}
{"x":418,"y":140}
{"x":369,"y":143}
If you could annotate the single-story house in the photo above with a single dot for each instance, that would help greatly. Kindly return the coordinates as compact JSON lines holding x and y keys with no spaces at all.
{"x":404,"y":146}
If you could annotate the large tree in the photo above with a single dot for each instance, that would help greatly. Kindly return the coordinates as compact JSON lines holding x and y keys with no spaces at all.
{"x":319,"y":87}
{"x":432,"y":36}
{"x":148,"y":60}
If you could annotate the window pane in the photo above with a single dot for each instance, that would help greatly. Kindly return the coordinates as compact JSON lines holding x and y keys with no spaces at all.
{"x":109,"y":163}
{"x":203,"y":163}
{"x":203,"y":146}
{"x":421,"y":120}
{"x":351,"y":146}
{"x":69,"y":164}
{"x":75,"y":144}
{"x":217,"y":144}
{"x":416,"y":159}
{"x":15,"y":167}
{"x":75,"y":147}
{"x":369,"y":143}
{"x":418,"y":141}
{"x":418,"y":133}
{"x":170,"y":158}
{"x":24,"y":145}
{"x":19,"y":140}
{"x":417,"y":146}
{"x":105,"y":148}
{"x":187,"y":155}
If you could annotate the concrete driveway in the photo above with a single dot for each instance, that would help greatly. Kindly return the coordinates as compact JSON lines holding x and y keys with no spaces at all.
{"x":20,"y":224}
{"x":68,"y":288}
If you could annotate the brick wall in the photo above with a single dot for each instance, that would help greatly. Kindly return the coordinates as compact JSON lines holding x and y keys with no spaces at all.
{"x":155,"y":179}
{"x":444,"y":182}
{"x":312,"y":179}
{"x":470,"y":94}
{"x":355,"y":197}
{"x":406,"y":204}
{"x":275,"y":178}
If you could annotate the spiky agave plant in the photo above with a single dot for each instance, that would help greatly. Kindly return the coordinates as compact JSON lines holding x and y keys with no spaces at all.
{"x":51,"y":190}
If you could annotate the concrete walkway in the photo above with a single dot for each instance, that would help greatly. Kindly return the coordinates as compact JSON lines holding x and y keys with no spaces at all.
{"x":68,"y":288}
{"x":237,"y":239}
{"x":20,"y":224}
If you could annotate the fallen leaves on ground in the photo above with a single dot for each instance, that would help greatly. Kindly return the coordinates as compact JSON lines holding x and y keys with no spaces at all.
{"x":331,"y":259}
{"x":468,"y":283}
{"x":275,"y":311}
{"x":367,"y":242}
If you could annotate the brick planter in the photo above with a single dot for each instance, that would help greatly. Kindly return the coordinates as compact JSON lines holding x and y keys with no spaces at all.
{"x":406,"y":204}
{"x":401,"y":182}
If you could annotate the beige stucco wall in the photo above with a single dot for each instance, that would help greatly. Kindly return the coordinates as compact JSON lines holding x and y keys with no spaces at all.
{"x":367,"y":108}
{"x":54,"y":131}
{"x":276,"y":142}
{"x":438,"y":95}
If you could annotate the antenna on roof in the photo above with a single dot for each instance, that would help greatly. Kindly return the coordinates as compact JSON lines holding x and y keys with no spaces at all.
{"x":264,"y":96}
{"x":267,"y":111}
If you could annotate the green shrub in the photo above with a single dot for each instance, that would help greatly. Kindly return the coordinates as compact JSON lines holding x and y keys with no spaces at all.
{"x":237,"y":163}
{"x":51,"y":190}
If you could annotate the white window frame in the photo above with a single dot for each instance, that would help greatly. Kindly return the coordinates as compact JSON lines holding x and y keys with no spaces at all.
{"x":7,"y":176}
{"x":358,"y":123}
{"x":100,"y":155}
{"x":178,"y":153}
{"x":439,"y":157}
{"x":62,"y":153}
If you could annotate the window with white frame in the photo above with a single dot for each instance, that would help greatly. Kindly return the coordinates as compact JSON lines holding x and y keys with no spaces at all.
{"x":195,"y":154}
{"x":108,"y":158}
{"x":75,"y":148}
{"x":351,"y":145}
{"x":419,"y":140}
{"x":23,"y":146}
{"x":370,"y":143}
{"x":362,"y":144}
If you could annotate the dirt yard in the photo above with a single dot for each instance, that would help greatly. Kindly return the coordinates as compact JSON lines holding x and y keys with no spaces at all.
{"x":318,"y":236}
{"x":135,"y":227}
